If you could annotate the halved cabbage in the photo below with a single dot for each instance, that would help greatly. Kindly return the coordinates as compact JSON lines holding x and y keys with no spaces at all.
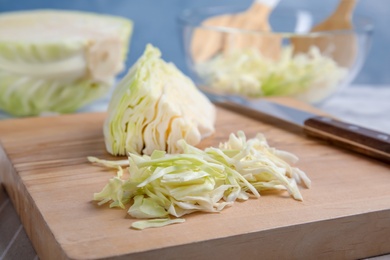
{"x":58,"y":61}
{"x":153,"y":107}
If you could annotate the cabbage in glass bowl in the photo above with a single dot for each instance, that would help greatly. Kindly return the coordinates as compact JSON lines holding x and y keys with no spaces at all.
{"x":288,"y":60}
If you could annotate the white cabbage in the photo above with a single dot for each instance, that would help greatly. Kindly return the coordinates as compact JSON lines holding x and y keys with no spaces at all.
{"x":164,"y":185}
{"x":154,"y":223}
{"x":58,"y":61}
{"x":154,"y":106}
{"x":310,"y":77}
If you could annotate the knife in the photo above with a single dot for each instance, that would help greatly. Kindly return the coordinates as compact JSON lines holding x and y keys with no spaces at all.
{"x":350,"y":136}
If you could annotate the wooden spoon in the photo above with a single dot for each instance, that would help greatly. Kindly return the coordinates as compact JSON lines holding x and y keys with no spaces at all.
{"x":343,"y":46}
{"x":206,"y":44}
{"x":255,"y":19}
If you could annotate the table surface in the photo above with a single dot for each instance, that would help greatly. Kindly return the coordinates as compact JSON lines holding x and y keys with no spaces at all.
{"x":363,"y":105}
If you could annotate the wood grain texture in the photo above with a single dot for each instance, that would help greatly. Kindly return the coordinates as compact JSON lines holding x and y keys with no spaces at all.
{"x":346,"y":214}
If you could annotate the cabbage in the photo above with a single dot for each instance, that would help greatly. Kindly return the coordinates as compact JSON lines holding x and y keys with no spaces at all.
{"x":310,"y":77}
{"x":163,"y":185}
{"x":153,"y":107}
{"x":150,"y":223}
{"x":58,"y":61}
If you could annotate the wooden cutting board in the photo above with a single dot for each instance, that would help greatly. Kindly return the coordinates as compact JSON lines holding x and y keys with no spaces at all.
{"x":43,"y":167}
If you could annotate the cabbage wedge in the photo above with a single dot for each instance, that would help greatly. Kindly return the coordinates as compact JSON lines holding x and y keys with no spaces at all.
{"x":153,"y":107}
{"x":58,"y":61}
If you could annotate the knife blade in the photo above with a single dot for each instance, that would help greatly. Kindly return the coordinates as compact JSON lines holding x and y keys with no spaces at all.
{"x":350,"y":136}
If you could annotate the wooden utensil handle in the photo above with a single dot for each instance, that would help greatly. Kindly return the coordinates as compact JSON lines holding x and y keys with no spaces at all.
{"x":352,"y":137}
{"x":344,"y":9}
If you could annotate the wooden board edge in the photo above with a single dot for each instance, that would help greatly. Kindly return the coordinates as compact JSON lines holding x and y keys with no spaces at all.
{"x":321,"y":239}
{"x":33,"y":221}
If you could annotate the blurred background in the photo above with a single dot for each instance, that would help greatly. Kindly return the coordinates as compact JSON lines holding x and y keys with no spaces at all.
{"x":155,"y":22}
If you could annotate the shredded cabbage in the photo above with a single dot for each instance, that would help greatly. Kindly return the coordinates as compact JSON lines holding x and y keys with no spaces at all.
{"x":150,"y":223}
{"x":310,"y":76}
{"x":154,"y":106}
{"x":163,"y":185}
{"x":58,"y":61}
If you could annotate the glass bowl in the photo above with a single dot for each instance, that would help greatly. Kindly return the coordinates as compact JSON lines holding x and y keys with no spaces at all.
{"x":290,"y":60}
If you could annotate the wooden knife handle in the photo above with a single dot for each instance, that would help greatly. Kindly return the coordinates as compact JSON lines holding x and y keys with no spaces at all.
{"x":356,"y":138}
